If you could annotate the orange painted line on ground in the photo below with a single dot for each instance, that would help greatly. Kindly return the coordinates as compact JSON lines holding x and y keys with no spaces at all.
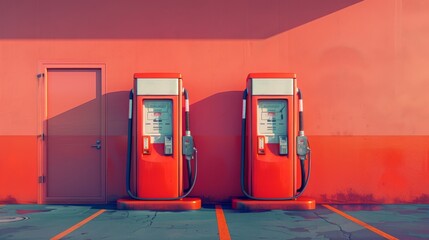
{"x":221,"y":224}
{"x":363,"y":224}
{"x":78,"y":225}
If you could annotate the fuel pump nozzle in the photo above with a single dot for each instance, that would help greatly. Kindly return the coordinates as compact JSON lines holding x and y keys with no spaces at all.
{"x":302,"y":148}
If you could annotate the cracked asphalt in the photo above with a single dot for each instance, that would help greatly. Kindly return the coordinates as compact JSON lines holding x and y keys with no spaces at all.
{"x":47,"y":221}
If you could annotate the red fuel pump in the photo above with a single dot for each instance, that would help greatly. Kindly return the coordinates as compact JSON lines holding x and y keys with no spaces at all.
{"x":161,"y":145}
{"x":273,"y":142}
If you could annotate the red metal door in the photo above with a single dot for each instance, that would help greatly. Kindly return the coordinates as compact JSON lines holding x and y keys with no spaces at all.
{"x":74,"y":163}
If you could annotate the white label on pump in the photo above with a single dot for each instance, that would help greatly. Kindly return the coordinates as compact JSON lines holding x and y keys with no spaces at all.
{"x":130,"y":109}
{"x":157,"y":119}
{"x":272,"y":119}
{"x":145,"y":143}
{"x":186,"y":105}
{"x":243,"y":116}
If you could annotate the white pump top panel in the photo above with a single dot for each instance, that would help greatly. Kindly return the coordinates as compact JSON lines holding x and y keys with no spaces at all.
{"x":157,"y":86}
{"x":272,"y":86}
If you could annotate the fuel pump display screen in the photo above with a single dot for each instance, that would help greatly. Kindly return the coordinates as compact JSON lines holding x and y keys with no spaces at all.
{"x":157,"y":116}
{"x":272,"y":119}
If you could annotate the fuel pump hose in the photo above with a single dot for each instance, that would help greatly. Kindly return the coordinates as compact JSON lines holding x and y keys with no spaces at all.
{"x":187,"y":133}
{"x":304,"y":180}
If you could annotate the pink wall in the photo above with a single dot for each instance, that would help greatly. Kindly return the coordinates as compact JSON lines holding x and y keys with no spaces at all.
{"x":361,"y":66}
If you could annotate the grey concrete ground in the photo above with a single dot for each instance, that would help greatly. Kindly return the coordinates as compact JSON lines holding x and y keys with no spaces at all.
{"x":47,"y":221}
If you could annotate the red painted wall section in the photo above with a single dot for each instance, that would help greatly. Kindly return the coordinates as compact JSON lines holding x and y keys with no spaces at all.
{"x":362,"y":67}
{"x":19,"y":169}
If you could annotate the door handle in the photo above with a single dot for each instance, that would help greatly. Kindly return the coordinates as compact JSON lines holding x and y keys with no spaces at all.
{"x":97,"y":144}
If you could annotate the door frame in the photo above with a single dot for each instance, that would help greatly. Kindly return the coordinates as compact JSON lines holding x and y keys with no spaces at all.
{"x":42,"y":128}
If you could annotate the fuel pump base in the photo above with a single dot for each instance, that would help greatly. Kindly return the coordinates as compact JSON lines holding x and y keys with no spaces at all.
{"x":302,"y":203}
{"x":167,"y":205}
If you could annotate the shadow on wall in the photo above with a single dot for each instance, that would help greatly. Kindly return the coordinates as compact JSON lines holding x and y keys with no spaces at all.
{"x":9,"y":200}
{"x":216,"y":127}
{"x":73,"y":163}
{"x":116,"y":113}
{"x":190,"y":19}
{"x":117,"y":130}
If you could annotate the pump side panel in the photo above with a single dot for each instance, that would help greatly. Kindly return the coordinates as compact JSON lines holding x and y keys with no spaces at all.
{"x":273,"y":175}
{"x":272,"y":113}
{"x":158,"y":174}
